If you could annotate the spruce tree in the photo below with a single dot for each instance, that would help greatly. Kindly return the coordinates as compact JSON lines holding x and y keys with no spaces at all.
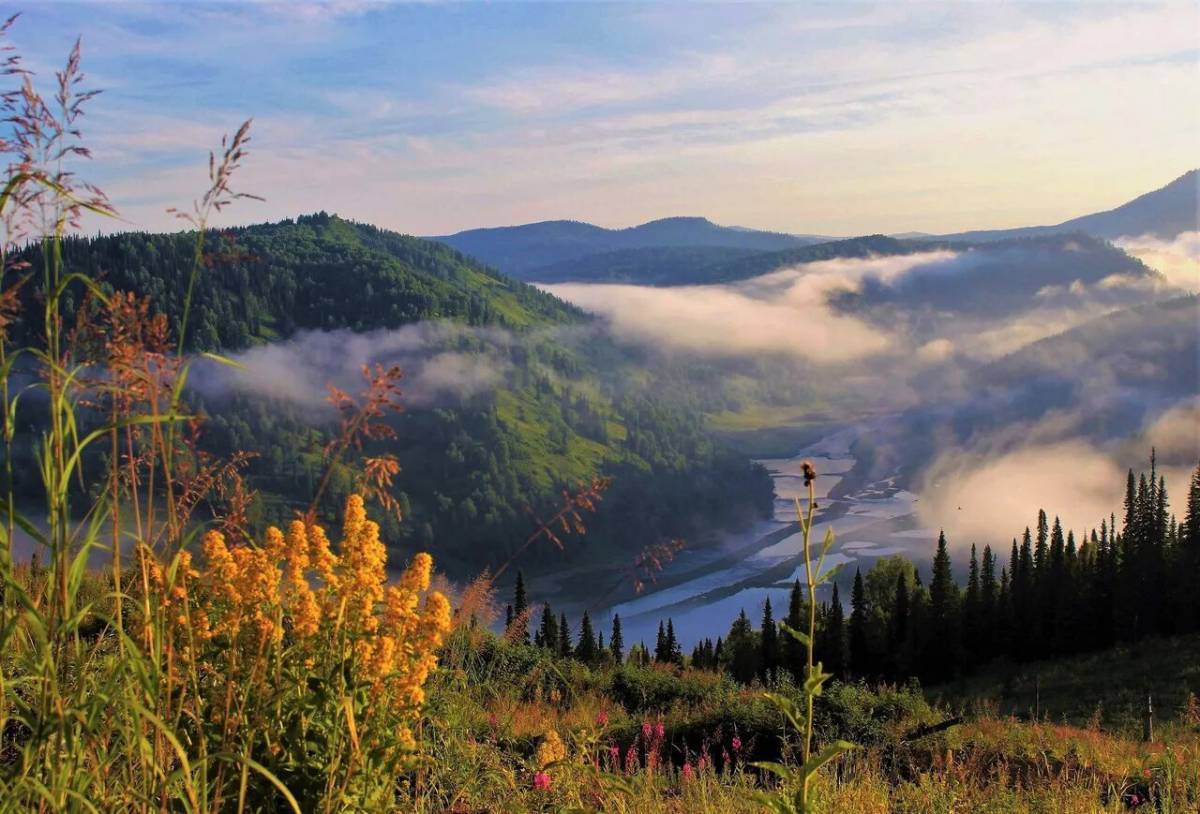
{"x":547,"y":634}
{"x":792,"y":652}
{"x":616,"y":642}
{"x":972,"y":624}
{"x":860,"y":651}
{"x":586,"y":650}
{"x":943,"y":608}
{"x":674,"y":651}
{"x":661,"y":653}
{"x":519,"y":607}
{"x":564,"y":636}
{"x":833,"y":650}
{"x":741,"y":650}
{"x":768,"y":642}
{"x":988,"y":590}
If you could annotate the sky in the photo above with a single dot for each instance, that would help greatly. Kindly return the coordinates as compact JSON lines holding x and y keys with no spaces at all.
{"x":833,"y":119}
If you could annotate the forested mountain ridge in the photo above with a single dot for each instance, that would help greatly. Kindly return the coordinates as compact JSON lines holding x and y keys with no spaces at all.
{"x":518,"y":250}
{"x":316,"y":272}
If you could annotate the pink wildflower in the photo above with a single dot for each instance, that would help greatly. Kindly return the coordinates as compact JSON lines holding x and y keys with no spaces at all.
{"x":646,"y":730}
{"x":736,"y":743}
{"x":688,"y":773}
{"x":659,"y":730}
{"x":541,"y":781}
{"x":601,"y":718}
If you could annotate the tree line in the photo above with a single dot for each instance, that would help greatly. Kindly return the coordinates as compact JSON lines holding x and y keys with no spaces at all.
{"x":1054,"y":594}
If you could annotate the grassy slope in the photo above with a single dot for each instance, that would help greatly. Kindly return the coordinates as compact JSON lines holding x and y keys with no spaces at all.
{"x":1115,"y":682}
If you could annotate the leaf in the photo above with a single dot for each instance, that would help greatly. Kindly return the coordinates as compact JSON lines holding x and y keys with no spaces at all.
{"x":777,"y":769}
{"x":223,"y":360}
{"x":795,"y":634}
{"x":774,"y":802}
{"x":827,"y":754}
{"x":828,"y":575}
{"x":814,"y":682}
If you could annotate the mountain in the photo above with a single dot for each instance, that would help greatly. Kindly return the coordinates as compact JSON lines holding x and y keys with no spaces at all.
{"x":705,"y":265}
{"x":313,"y":272}
{"x":517,"y":250}
{"x":1163,"y":213}
{"x":510,"y":397}
{"x":756,"y":265}
{"x":661,"y":265}
{"x":1003,"y":276}
{"x":1149,"y":348}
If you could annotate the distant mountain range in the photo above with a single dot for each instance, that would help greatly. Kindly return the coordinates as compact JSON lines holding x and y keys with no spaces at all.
{"x":1163,"y":213}
{"x":693,"y":250}
{"x":519,"y":250}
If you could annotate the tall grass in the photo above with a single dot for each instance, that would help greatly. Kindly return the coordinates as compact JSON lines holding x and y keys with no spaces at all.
{"x":267,"y":673}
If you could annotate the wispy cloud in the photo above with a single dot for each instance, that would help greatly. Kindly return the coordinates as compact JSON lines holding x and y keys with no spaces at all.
{"x":800,"y":118}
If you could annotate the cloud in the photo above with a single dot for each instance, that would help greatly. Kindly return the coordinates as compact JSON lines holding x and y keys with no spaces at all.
{"x":785,"y":312}
{"x":988,"y":493}
{"x":1178,"y":260}
{"x":300,"y":369}
{"x":986,"y":499}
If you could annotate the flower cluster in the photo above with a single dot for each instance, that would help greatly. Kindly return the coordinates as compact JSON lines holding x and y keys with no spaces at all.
{"x":326,"y":608}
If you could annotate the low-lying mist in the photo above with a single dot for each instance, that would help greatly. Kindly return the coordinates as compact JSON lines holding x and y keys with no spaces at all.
{"x":987,"y":492}
{"x":443,"y":364}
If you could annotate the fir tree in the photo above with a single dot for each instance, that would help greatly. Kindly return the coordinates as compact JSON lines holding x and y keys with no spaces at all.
{"x":768,"y":642}
{"x":616,"y":642}
{"x":519,"y":607}
{"x":741,"y":650}
{"x":791,"y":650}
{"x":674,"y":651}
{"x":547,"y":634}
{"x":860,"y":652}
{"x":833,"y":650}
{"x":586,"y":650}
{"x":943,"y":607}
{"x":564,"y":636}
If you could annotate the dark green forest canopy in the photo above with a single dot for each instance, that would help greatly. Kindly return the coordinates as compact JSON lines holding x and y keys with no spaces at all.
{"x":267,"y":281}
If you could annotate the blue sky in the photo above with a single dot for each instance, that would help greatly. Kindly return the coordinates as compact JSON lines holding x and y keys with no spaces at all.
{"x":839,"y":118}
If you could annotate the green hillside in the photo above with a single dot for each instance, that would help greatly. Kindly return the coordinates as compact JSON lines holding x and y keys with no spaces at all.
{"x":315,"y":272}
{"x":477,"y":468}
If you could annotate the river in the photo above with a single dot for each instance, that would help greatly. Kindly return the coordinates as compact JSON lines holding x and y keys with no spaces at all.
{"x":703,"y":591}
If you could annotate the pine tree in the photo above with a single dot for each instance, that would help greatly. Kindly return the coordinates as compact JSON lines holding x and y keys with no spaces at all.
{"x":519,"y":607}
{"x":616,"y":642}
{"x":674,"y":651}
{"x":661,"y":653}
{"x":564,"y":637}
{"x":768,"y":642}
{"x":586,"y":650}
{"x":972,"y":624}
{"x":547,"y":634}
{"x":1189,"y":544}
{"x":860,"y":652}
{"x":943,"y":607}
{"x":833,"y":647}
{"x":791,"y":650}
{"x":988,"y":590}
{"x":741,"y":650}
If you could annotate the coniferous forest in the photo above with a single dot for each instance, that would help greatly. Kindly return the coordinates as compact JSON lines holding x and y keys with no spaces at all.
{"x":1049,"y":596}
